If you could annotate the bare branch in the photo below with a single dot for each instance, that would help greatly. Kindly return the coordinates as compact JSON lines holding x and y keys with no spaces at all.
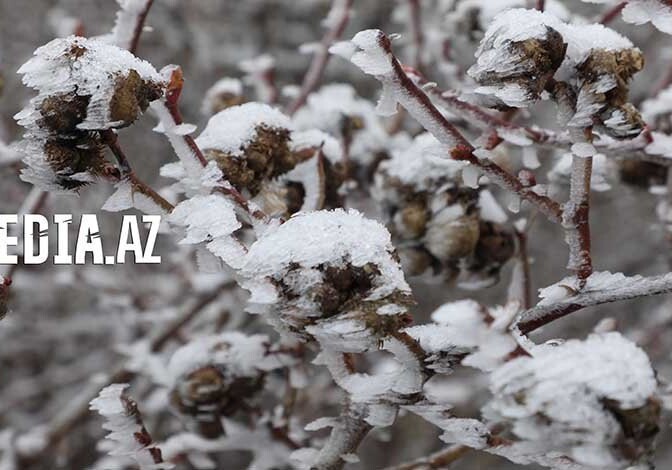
{"x":575,"y":218}
{"x":438,"y":460}
{"x":611,"y":14}
{"x":338,"y":17}
{"x":633,"y":287}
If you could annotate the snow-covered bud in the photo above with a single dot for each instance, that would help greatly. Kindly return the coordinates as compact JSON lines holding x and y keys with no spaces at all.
{"x":518,"y":55}
{"x":83,"y":85}
{"x":86,"y":84}
{"x":323,"y":266}
{"x":435,"y":218}
{"x":250,"y":144}
{"x":586,"y":68}
{"x":544,"y":401}
{"x":217,"y":376}
{"x":223,"y":94}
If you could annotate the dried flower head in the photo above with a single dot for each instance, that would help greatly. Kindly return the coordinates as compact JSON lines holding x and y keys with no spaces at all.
{"x":225,"y":93}
{"x":435,"y":218}
{"x":586,"y":68}
{"x":84,"y":85}
{"x":250,"y":144}
{"x":592,"y":402}
{"x":327,"y":265}
{"x":217,"y":376}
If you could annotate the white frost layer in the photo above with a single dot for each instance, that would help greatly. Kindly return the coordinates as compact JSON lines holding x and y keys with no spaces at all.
{"x":226,"y":85}
{"x":232,"y":129}
{"x":210,"y":219}
{"x":127,"y":19}
{"x":422,"y":163}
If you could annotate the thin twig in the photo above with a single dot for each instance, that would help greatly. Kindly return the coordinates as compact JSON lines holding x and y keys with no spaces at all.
{"x":415,"y":27}
{"x":127,"y":173}
{"x":611,"y":14}
{"x":575,"y":218}
{"x":438,"y":460}
{"x":139,"y":26}
{"x":630,"y":288}
{"x":341,"y":9}
{"x":526,"y":280}
{"x":345,"y":437}
{"x":419,"y":105}
{"x":540,"y":5}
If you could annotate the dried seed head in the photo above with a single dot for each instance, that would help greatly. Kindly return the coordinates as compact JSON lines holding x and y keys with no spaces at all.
{"x":76,"y":161}
{"x":62,"y":113}
{"x":326,"y":265}
{"x":642,"y":174}
{"x":131,"y":97}
{"x":209,"y":393}
{"x":224,"y":94}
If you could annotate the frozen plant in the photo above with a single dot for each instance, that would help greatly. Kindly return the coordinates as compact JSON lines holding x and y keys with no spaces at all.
{"x":350,"y":248}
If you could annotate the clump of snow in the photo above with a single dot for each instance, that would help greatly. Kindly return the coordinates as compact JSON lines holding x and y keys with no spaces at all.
{"x":565,"y":400}
{"x":241,"y":355}
{"x":232,"y":129}
{"x":211,"y":219}
{"x":225,"y":90}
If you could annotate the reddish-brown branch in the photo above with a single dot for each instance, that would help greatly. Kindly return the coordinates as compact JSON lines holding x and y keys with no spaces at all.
{"x":611,"y":14}
{"x":540,"y":5}
{"x":173,"y":93}
{"x":321,"y":57}
{"x":415,"y":26}
{"x":543,"y":314}
{"x":438,"y":460}
{"x":110,"y":139}
{"x":142,"y":437}
{"x":576,"y":218}
{"x":524,"y":260}
{"x":137,"y":32}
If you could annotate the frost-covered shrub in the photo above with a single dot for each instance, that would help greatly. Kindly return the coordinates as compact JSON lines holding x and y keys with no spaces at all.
{"x":323,"y":266}
{"x":280,"y":331}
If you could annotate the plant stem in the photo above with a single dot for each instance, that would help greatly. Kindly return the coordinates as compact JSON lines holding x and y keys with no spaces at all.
{"x":438,"y":460}
{"x":575,"y":218}
{"x":312,"y":78}
{"x":137,"y":32}
{"x":612,"y":13}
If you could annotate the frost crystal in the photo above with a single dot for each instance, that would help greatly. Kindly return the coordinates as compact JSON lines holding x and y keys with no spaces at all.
{"x":590,"y":401}
{"x":126,"y":22}
{"x":126,"y":429}
{"x":211,"y":219}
